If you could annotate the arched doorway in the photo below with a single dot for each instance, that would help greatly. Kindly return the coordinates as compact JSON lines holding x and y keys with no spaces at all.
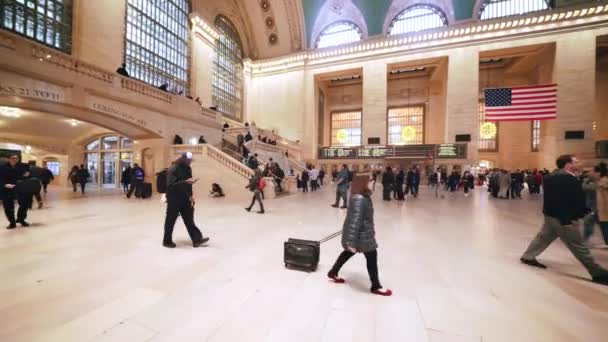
{"x":106,"y":157}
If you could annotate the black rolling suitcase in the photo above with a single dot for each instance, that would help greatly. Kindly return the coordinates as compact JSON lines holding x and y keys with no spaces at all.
{"x":146,"y":190}
{"x":304,"y":254}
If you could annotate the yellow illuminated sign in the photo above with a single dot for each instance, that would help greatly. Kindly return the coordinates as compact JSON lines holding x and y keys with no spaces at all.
{"x":408,"y":133}
{"x":342,"y":136}
{"x":488,"y":130}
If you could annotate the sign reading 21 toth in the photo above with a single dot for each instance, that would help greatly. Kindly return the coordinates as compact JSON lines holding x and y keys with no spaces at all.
{"x":9,"y":90}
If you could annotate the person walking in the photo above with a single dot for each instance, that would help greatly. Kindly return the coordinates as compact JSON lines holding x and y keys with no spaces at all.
{"x":359,"y":235}
{"x":468,"y":182}
{"x":256,"y":185}
{"x":10,"y":174}
{"x":399,"y":180}
{"x":321,"y":176}
{"x":73,"y":177}
{"x":388,"y":179}
{"x":602,"y":200}
{"x":137,"y":180}
{"x":83,"y":177}
{"x":314,"y":179}
{"x":125,"y":178}
{"x":564,"y":206}
{"x":180,"y":202}
{"x":304,"y":180}
{"x":38,"y":173}
{"x":342,"y":185}
{"x":416,"y":182}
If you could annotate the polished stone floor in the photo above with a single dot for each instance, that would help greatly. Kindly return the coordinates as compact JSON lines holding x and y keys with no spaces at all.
{"x":92,"y":269}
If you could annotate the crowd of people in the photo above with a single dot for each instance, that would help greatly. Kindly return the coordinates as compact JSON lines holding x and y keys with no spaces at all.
{"x":504,"y":184}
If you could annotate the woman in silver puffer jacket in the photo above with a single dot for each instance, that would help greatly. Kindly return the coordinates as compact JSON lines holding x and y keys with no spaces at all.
{"x":359,"y":235}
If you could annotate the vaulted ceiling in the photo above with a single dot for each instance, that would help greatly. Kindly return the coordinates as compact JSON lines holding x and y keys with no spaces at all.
{"x":271,"y":28}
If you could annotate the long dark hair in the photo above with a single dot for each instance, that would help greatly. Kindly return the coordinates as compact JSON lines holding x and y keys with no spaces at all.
{"x":359,"y":185}
{"x":602,"y":169}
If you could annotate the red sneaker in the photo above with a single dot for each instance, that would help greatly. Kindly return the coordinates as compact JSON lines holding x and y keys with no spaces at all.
{"x":335,"y":278}
{"x":385,"y":293}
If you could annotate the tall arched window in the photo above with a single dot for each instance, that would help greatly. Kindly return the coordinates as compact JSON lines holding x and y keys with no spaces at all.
{"x":492,"y":9}
{"x":228,"y":73}
{"x":156,"y":42}
{"x":339,"y":33}
{"x":46,"y":21}
{"x":418,"y":18}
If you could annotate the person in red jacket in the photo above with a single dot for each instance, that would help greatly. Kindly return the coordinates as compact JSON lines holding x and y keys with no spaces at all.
{"x":256,"y":185}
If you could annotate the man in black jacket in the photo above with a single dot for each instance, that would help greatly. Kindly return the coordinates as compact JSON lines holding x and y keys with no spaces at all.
{"x":564,"y":206}
{"x":181,"y":202}
{"x":10,"y":174}
{"x":388,"y":179}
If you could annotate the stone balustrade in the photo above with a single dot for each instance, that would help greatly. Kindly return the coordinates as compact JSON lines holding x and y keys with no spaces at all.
{"x":215,"y":154}
{"x":145,"y":89}
{"x":64,"y":61}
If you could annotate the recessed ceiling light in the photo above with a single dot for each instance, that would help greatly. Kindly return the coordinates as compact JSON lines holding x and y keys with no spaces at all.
{"x":10,"y":112}
{"x":73,"y":122}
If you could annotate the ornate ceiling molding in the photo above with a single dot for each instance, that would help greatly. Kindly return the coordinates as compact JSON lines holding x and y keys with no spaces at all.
{"x":297,"y":27}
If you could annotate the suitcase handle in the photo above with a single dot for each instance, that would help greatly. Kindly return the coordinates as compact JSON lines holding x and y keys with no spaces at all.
{"x":327,"y":238}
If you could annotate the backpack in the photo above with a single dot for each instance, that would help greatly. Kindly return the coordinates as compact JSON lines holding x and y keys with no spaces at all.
{"x":161,"y":182}
{"x":261,"y":184}
{"x":253,"y":183}
{"x":139,"y":174}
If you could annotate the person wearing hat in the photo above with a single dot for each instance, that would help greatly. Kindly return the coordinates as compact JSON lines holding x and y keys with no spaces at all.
{"x":180,"y":201}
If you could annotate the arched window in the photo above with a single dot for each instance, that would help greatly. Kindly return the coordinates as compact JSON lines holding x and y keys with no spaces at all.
{"x":48,"y":22}
{"x":492,"y":9}
{"x":339,"y":33}
{"x":418,"y":18}
{"x":156,"y":42}
{"x":228,"y":72}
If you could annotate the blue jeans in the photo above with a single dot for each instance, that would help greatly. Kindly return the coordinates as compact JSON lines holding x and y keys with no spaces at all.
{"x":589,"y":226}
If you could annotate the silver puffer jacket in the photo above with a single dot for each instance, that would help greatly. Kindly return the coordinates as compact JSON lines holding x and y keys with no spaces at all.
{"x":358,"y":230}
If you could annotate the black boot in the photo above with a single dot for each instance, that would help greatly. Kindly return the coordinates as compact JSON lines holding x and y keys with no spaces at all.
{"x":13,"y":225}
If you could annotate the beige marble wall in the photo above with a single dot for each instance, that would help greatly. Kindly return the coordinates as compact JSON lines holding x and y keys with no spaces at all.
{"x":374,"y":101}
{"x":203,"y":56}
{"x":574,"y":73}
{"x":601,"y":99}
{"x":463,"y":97}
{"x":99,"y":32}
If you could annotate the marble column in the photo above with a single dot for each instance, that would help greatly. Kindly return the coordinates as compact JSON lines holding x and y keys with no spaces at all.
{"x":574,"y":73}
{"x":374,"y":102}
{"x":463,"y":98}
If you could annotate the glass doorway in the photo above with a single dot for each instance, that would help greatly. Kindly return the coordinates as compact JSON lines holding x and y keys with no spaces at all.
{"x":109,"y":163}
{"x":92,"y":165}
{"x":106,"y":158}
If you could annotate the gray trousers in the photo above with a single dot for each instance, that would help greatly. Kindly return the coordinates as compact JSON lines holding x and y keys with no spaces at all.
{"x":571,"y":237}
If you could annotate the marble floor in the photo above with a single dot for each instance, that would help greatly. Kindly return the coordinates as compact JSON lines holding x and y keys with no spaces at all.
{"x":92,"y":269}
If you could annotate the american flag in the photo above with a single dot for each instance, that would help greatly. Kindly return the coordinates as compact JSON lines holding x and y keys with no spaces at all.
{"x":521,"y":103}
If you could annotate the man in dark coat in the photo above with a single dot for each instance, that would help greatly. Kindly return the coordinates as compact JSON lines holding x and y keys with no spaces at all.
{"x":248,"y":137}
{"x":416,"y":181}
{"x":10,"y":174}
{"x":388,"y":179}
{"x":123,"y":70}
{"x":563,"y":207}
{"x":180,"y":202}
{"x":409,"y":182}
{"x":399,"y":185}
{"x":39,"y":173}
{"x":83,"y":177}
